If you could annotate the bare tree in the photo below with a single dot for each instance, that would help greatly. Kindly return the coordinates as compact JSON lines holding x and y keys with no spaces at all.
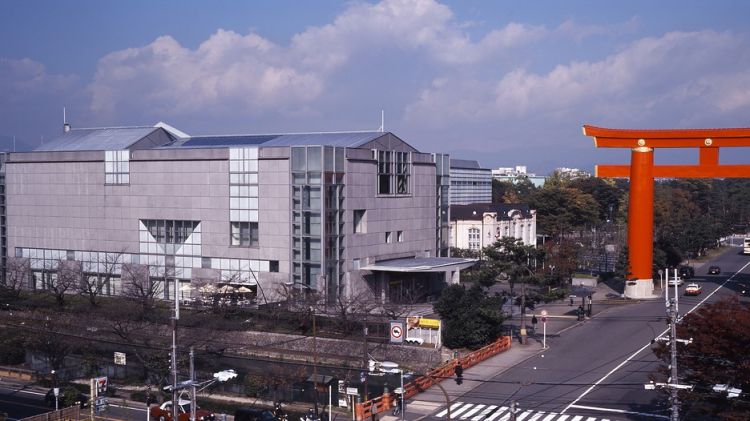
{"x":98,"y":274}
{"x":17,"y":275}
{"x":142,"y":284}
{"x":67,"y":277}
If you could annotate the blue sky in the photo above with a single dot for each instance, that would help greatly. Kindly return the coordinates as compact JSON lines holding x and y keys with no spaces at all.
{"x":502,"y":82}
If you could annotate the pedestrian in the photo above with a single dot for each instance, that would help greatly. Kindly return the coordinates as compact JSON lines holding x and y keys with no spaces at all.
{"x":374,"y":411}
{"x":534,"y":321}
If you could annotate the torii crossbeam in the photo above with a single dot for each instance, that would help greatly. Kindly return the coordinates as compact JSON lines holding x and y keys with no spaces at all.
{"x":642,"y":172}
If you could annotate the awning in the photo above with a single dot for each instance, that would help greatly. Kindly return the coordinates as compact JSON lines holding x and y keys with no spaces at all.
{"x":423,"y":264}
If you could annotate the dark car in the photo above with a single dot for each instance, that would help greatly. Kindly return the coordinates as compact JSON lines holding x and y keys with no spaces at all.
{"x":68,"y":396}
{"x":714,"y":270}
{"x":254,"y":414}
{"x":686,"y":272}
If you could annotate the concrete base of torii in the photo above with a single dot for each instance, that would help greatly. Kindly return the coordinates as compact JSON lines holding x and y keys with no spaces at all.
{"x":639,"y":288}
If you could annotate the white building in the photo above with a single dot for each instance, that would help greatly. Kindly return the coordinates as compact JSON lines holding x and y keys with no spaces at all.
{"x":470,"y":183}
{"x":519,"y":172}
{"x":479,"y":225}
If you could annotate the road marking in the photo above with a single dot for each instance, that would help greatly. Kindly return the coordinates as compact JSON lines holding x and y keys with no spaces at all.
{"x":620,"y":411}
{"x":627,"y":360}
{"x":445,"y":411}
{"x":484,"y":413}
{"x":497,"y":413}
{"x":473,"y":411}
{"x":460,"y":411}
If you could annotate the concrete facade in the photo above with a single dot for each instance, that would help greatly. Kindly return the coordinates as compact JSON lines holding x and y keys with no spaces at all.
{"x":212,"y":211}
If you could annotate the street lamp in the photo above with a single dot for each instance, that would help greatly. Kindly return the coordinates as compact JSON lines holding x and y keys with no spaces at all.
{"x":55,"y":389}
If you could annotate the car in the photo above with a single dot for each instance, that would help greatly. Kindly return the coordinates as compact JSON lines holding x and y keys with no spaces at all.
{"x":67,"y":396}
{"x":163,"y":412}
{"x":254,"y":414}
{"x":693,"y":289}
{"x":714,"y":270}
{"x":675,"y":281}
{"x":686,"y":272}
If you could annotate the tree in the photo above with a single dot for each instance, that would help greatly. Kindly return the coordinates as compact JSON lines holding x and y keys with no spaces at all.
{"x":67,"y":277}
{"x":98,"y":274}
{"x":518,"y":191}
{"x":719,"y":331}
{"x":139,"y":285}
{"x":562,"y":210}
{"x":472,"y":318}
{"x":17,"y":276}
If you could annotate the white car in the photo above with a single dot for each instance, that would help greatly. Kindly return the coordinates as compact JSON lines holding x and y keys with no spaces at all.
{"x":678,"y":281}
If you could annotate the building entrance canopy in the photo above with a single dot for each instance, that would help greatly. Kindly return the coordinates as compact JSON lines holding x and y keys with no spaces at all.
{"x":423,"y":264}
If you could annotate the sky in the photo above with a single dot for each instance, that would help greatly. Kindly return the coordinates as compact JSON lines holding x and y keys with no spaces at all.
{"x":502,"y":82}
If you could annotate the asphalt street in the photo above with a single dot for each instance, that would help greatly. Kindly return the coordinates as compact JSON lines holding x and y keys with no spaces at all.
{"x":598,"y":368}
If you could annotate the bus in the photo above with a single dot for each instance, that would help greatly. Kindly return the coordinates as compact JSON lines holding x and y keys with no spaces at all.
{"x":746,"y":246}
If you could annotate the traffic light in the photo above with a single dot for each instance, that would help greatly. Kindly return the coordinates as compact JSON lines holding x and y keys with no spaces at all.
{"x":459,"y":370}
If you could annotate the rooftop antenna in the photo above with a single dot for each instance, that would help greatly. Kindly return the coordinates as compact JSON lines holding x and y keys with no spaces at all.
{"x":382,"y":121}
{"x":14,"y":143}
{"x":66,"y":126}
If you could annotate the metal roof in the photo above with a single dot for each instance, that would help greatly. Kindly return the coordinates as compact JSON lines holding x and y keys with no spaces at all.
{"x":421,"y":264}
{"x":104,"y":139}
{"x":341,"y":139}
{"x":465,"y":163}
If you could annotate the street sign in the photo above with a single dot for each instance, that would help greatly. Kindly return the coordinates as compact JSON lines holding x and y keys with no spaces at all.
{"x":56,"y":391}
{"x":397,"y":331}
{"x":352,"y":391}
{"x":100,"y":404}
{"x":544,"y":319}
{"x":543,"y":313}
{"x":101,"y":385}
{"x":120,"y":358}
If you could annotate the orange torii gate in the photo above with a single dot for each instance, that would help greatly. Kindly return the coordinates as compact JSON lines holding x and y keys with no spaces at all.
{"x":642,"y":172}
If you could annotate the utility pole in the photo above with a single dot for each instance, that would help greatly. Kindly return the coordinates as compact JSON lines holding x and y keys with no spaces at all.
{"x":315,"y":361}
{"x":675,"y":416}
{"x":175,"y":402}
{"x":192,"y":385}
{"x":365,"y":357}
{"x":673,"y":381}
{"x":524,"y":339}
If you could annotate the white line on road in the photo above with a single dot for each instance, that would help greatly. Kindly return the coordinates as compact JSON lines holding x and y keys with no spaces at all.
{"x":619,"y":411}
{"x":633,"y":355}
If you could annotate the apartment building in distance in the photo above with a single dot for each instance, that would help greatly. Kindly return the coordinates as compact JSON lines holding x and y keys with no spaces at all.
{"x":337,"y":213}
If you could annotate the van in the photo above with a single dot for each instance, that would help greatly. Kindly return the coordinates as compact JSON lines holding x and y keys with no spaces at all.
{"x":254,"y":414}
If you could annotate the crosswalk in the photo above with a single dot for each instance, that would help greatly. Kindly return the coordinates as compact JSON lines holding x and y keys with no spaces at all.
{"x":482,"y":412}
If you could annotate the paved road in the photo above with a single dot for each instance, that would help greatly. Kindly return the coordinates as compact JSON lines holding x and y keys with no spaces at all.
{"x":18,"y":402}
{"x":598,"y":369}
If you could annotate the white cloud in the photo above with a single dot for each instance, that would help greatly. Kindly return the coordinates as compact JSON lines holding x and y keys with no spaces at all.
{"x":250,"y":74}
{"x":25,"y":76}
{"x":699,"y":72}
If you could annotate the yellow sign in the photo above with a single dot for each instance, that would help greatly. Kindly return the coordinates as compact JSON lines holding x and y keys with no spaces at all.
{"x":430,"y":323}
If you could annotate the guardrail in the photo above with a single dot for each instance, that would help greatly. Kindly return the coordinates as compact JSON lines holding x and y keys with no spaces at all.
{"x":70,"y":413}
{"x":17,"y":373}
{"x":384,"y":402}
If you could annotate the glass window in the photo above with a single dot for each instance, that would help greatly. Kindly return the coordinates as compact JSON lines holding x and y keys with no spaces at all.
{"x":244,"y":234}
{"x":388,"y":237}
{"x":273,"y":265}
{"x":116,"y":167}
{"x":400,"y":236}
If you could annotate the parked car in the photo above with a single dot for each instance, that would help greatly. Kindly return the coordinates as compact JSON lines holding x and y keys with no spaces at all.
{"x":672,"y":282}
{"x":163,"y":412}
{"x":686,"y":272}
{"x":68,"y":396}
{"x":693,"y":289}
{"x":714,"y":270}
{"x":254,"y":414}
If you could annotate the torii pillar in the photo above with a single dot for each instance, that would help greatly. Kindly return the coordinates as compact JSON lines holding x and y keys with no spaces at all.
{"x":642,"y":173}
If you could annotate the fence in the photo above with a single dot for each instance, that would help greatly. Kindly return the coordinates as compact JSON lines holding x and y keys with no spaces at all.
{"x":436,"y":375}
{"x":65,"y":414}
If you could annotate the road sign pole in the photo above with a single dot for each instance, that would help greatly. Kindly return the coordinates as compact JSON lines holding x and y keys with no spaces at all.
{"x":544,"y":336}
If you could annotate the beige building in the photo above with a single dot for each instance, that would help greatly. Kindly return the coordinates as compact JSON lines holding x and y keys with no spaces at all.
{"x":479,"y":225}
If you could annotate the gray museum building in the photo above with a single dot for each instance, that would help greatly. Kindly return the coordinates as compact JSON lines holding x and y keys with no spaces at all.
{"x":344,"y":214}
